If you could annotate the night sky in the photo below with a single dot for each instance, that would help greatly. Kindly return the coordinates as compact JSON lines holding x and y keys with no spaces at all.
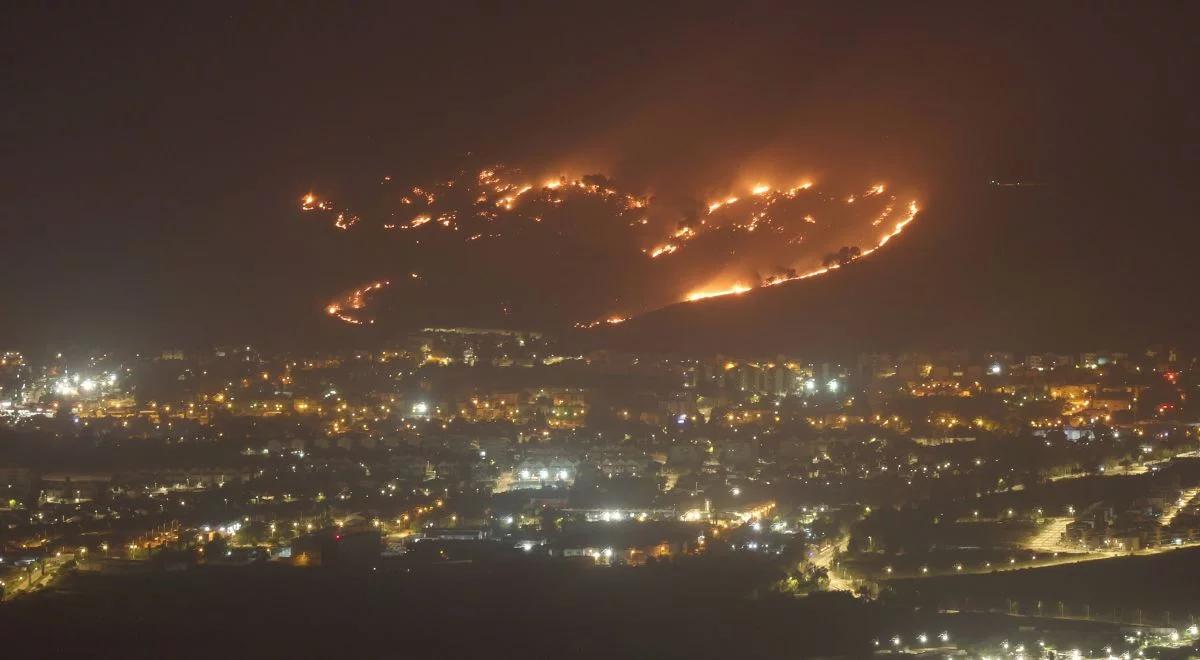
{"x":154,"y":154}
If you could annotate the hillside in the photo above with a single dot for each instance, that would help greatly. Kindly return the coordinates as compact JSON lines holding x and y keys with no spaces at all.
{"x":984,"y":267}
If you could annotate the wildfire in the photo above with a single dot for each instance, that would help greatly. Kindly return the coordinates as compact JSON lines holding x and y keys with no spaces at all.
{"x":499,"y":203}
{"x":913,"y":209}
{"x":911,"y":213}
{"x":666,"y":248}
{"x":736,"y":289}
{"x":342,"y":220}
{"x":612,"y":320}
{"x":763,"y":199}
{"x":344,"y":309}
{"x":310,"y":202}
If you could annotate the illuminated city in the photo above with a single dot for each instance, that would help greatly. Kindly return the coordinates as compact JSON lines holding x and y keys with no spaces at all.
{"x":624,"y":331}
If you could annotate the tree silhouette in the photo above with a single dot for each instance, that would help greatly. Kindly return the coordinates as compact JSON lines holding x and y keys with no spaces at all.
{"x":843,"y":256}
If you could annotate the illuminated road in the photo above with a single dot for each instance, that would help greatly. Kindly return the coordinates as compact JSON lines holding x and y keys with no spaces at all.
{"x":1049,"y":536}
{"x":1116,"y":471}
{"x":1128,"y":470}
{"x":17,"y":582}
{"x":1186,"y":498}
{"x":1051,"y":562}
{"x":824,"y":558}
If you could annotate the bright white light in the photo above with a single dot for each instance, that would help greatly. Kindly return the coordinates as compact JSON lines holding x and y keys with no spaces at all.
{"x":420,"y":408}
{"x":562,"y":475}
{"x":994,"y":370}
{"x":543,"y":474}
{"x":833,"y":385}
{"x":524,"y":474}
{"x":87,"y":385}
{"x":810,"y":385}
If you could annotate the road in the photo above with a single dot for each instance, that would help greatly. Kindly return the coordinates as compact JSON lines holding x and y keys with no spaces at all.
{"x":1055,"y":561}
{"x":824,"y":558}
{"x":1049,"y":536}
{"x":17,"y":581}
{"x":1186,"y":499}
{"x":1128,"y":470}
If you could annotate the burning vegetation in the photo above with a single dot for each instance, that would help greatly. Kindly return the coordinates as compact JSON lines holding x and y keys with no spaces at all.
{"x":644,"y":254}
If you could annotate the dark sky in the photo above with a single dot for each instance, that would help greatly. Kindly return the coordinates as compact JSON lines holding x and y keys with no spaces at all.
{"x":153,"y":152}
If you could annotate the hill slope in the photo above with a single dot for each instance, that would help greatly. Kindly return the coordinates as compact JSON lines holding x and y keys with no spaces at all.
{"x":984,"y":267}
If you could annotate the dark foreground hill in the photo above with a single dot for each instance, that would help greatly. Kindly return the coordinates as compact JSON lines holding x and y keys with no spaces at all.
{"x":458,"y":611}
